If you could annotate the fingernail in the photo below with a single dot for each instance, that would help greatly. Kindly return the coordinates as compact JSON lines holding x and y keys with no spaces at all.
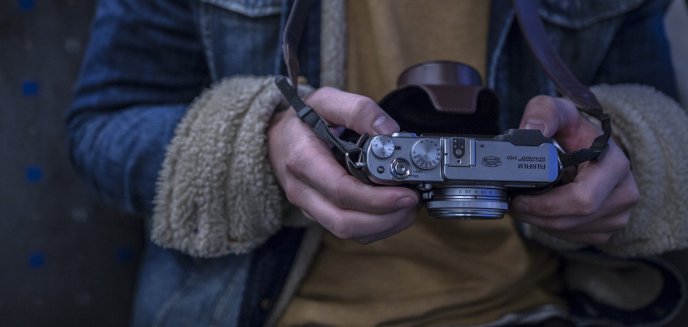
{"x":534,"y":123}
{"x":521,"y":206}
{"x":406,"y":202}
{"x":384,"y":125}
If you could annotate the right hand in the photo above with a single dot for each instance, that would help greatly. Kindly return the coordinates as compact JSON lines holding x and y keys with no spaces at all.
{"x":324,"y":191}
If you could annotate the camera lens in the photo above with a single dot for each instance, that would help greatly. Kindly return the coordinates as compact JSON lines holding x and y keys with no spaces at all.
{"x":468,"y":202}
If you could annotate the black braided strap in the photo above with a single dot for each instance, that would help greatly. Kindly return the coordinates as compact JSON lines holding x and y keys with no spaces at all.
{"x":310,"y":117}
{"x":598,"y":148}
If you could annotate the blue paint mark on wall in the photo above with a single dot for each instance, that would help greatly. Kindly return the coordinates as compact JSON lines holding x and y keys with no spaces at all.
{"x":34,"y":174}
{"x":30,"y":88}
{"x":27,"y":5}
{"x":37,"y":259}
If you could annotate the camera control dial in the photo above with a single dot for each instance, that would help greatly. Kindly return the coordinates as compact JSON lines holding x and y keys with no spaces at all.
{"x":401,"y":168}
{"x":382,"y":146}
{"x":425,"y":153}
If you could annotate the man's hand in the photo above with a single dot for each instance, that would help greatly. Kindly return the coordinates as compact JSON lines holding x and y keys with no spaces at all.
{"x":321,"y":187}
{"x":598,"y":201}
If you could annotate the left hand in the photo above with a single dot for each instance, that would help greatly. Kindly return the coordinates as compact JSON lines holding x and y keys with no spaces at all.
{"x":597,"y":203}
{"x":317,"y":184}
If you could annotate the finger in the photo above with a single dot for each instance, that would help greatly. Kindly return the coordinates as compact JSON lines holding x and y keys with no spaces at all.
{"x":591,"y":230}
{"x":328,"y":177}
{"x":588,"y":224}
{"x":547,"y":114}
{"x":352,"y":224}
{"x":607,"y":224}
{"x":586,"y":194}
{"x":614,"y":216}
{"x":559,"y":117}
{"x":353,"y":111}
{"x":403,"y":225}
{"x":621,"y":199}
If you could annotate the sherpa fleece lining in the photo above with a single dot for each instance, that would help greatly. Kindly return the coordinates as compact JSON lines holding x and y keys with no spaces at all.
{"x":216,"y":192}
{"x":652,"y":127}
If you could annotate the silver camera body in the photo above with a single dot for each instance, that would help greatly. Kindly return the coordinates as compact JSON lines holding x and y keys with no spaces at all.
{"x":460,"y":176}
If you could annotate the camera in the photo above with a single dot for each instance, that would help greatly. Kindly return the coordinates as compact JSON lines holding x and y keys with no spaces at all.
{"x":459,"y":176}
{"x":460,"y":171}
{"x":456,"y":157}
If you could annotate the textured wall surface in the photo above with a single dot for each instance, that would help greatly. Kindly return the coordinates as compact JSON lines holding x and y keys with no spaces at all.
{"x":66,"y":260}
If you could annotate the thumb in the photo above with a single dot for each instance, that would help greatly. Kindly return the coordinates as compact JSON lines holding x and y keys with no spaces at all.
{"x":353,"y":111}
{"x":548,"y":115}
{"x":558,"y":117}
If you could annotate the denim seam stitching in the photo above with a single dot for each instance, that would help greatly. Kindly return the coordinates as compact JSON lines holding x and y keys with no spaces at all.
{"x":206,"y":37}
{"x":498,"y":50}
{"x":246,"y":9}
{"x":226,"y":298}
{"x":163,"y":315}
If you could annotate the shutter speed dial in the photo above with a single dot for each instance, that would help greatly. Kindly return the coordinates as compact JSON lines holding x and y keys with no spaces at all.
{"x":425,"y":154}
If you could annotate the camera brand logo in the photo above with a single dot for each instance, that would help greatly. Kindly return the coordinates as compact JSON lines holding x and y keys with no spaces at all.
{"x":491,"y":161}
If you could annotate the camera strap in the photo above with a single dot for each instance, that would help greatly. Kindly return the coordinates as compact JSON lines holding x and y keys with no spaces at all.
{"x":565,"y":81}
{"x":288,"y":87}
{"x":534,"y":32}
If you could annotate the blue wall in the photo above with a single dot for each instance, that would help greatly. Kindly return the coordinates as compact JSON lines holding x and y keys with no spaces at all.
{"x":65,"y":260}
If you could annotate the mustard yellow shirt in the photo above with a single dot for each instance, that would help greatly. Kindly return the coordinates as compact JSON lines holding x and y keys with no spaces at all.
{"x":437,"y":272}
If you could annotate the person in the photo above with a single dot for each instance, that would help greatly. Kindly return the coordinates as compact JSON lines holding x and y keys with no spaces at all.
{"x":176,"y":118}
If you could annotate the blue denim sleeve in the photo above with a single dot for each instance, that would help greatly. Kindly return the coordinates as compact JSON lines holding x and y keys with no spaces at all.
{"x":144,"y":65}
{"x":640,"y":51}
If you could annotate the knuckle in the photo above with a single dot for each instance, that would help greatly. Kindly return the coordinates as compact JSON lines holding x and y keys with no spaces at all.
{"x":359,"y":108}
{"x":319,"y":95}
{"x":339,"y":195}
{"x":293,"y":164}
{"x":585,"y":202}
{"x":541,"y":102}
{"x":633,"y":195}
{"x":294,"y":194}
{"x":544,"y":208}
{"x":340,"y":227}
{"x":299,"y":159}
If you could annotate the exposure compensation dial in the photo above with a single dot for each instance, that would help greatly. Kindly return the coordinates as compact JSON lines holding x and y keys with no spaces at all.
{"x":382,"y":146}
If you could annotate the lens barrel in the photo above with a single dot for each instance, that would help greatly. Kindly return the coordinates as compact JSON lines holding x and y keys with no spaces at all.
{"x":468,"y":202}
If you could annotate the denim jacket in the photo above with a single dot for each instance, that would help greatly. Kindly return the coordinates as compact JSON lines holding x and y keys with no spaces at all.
{"x":147,"y":60}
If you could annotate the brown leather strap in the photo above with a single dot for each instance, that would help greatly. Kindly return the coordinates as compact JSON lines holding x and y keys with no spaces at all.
{"x":566,"y":82}
{"x":534,"y":32}
{"x":292,"y":38}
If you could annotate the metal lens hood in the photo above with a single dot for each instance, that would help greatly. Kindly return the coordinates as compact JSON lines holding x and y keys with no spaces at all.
{"x":468,"y":202}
